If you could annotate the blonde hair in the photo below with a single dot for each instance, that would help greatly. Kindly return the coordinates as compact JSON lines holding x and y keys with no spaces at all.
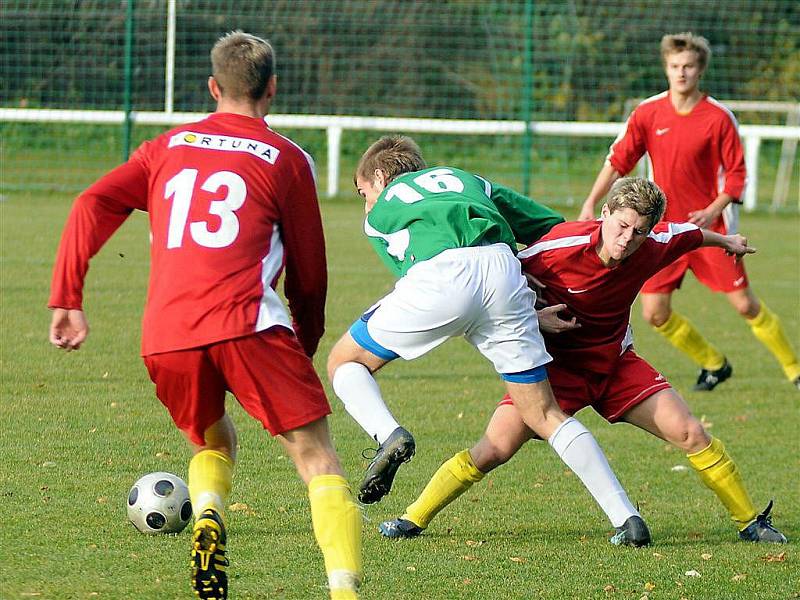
{"x":392,"y":154}
{"x":242,"y":65}
{"x":678,"y":42}
{"x":642,"y":195}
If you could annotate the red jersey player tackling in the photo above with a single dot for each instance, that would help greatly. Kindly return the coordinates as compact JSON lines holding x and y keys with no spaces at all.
{"x":231,"y":204}
{"x":697,"y":160}
{"x":596,"y":269}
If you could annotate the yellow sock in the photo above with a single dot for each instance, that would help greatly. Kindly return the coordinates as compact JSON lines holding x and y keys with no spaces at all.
{"x":766,"y":326}
{"x":720,"y":474}
{"x":452,"y":479}
{"x":682,"y":334}
{"x":337,"y":527}
{"x":210,"y":475}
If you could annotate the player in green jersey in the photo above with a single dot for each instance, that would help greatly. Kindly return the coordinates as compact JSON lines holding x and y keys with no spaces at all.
{"x":451,"y":237}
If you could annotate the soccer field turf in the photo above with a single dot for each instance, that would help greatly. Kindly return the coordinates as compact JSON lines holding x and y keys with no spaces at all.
{"x":80,"y":428}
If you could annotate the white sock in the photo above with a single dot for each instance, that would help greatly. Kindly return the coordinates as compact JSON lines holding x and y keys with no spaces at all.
{"x":580,"y":451}
{"x":361,"y":396}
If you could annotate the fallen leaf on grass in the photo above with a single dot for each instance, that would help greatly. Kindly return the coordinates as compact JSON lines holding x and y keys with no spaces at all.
{"x":692,"y":573}
{"x":474,"y":544}
{"x":242,"y":507}
{"x":706,"y":556}
{"x":609,"y":589}
{"x":468,"y":557}
{"x":467,"y":581}
{"x":740,"y":418}
{"x":518,"y":559}
{"x":775,"y":557}
{"x":658,"y":555}
{"x":411,"y":569}
{"x":102,"y":500}
{"x":739,"y":577}
{"x":649,"y":586}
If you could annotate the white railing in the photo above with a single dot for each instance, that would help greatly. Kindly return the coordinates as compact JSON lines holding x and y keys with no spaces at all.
{"x":336,"y":125}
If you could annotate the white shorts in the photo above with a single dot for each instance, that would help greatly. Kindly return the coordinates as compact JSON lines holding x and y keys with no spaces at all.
{"x":478,"y":292}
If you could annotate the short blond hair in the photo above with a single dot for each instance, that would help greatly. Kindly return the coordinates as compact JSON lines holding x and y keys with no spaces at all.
{"x":678,"y":42}
{"x":642,"y":195}
{"x":242,"y":65}
{"x":392,"y":154}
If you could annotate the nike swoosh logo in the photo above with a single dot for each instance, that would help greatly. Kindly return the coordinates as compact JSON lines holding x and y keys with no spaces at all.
{"x":662,"y":131}
{"x":571,"y":291}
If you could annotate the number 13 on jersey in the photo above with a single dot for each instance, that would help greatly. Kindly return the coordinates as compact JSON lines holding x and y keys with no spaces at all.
{"x":180,"y":190}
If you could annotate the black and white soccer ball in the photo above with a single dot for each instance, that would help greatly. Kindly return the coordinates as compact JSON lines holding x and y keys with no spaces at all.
{"x":159,"y":503}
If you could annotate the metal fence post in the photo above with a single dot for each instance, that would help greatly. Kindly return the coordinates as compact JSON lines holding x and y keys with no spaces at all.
{"x":127,"y":100}
{"x":527,"y":98}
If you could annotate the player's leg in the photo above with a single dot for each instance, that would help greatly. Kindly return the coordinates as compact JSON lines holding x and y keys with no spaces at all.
{"x":350,"y":369}
{"x":768,"y":329}
{"x":681,"y":333}
{"x":504,"y":436}
{"x":335,"y":517}
{"x":579,"y":450}
{"x":666,"y":415}
{"x":275,"y":382}
{"x":192,"y":389}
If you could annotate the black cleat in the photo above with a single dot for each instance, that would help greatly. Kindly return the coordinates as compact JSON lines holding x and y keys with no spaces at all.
{"x":796,"y":383}
{"x":209,"y":564}
{"x":708,"y":380}
{"x":399,"y":529}
{"x":398,"y":448}
{"x":761,"y":530}
{"x":634,"y":532}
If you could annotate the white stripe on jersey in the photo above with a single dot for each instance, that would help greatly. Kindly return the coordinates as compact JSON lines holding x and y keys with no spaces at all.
{"x":664,"y":237}
{"x":271,"y":310}
{"x":565,"y":242}
{"x":487,"y":187}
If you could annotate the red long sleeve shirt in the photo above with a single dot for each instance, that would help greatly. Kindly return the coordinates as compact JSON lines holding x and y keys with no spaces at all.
{"x":695,"y":156}
{"x":231,"y":205}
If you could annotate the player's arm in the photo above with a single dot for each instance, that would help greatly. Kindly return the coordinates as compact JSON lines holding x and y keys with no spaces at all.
{"x":605,"y":179}
{"x":96,"y":214}
{"x":623,"y":155}
{"x":528,"y":219}
{"x":306,"y":282}
{"x":734,"y":244}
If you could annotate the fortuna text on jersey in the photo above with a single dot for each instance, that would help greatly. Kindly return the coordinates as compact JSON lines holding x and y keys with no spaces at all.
{"x":225,"y":143}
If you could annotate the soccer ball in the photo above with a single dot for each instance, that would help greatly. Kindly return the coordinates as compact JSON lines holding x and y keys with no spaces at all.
{"x":159,"y":503}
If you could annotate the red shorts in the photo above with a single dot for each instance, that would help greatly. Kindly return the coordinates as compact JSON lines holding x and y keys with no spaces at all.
{"x":268,"y":373}
{"x":712,"y":267}
{"x":612,"y":395}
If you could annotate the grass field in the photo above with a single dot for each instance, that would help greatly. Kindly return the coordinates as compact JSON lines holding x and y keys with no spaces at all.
{"x":80,"y":428}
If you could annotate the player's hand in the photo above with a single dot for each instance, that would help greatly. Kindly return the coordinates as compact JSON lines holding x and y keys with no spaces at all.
{"x":705,"y":217}
{"x":68,"y":328}
{"x":550,"y":322}
{"x":736,"y":245}
{"x":587,"y":212}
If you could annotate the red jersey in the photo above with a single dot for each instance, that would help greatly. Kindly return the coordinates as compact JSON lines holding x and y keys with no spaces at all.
{"x":231,"y":203}
{"x":566,"y":262}
{"x":695,"y":156}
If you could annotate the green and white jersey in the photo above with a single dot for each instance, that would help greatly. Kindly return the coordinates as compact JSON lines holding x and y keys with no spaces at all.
{"x":424,"y":213}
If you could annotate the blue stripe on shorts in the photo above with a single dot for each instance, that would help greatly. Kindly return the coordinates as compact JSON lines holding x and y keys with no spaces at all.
{"x":362,"y":337}
{"x":534,"y":375}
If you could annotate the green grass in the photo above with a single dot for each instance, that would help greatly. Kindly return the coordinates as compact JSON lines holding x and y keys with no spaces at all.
{"x":80,"y":428}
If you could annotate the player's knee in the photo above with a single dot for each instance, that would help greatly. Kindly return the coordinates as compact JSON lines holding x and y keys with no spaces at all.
{"x":691,"y":436}
{"x":492,"y":455}
{"x":656,"y":315}
{"x":747,"y":307}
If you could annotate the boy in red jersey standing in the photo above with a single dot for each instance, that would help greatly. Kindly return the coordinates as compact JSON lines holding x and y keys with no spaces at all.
{"x":697,"y":159}
{"x":231,"y":204}
{"x":596,"y":269}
